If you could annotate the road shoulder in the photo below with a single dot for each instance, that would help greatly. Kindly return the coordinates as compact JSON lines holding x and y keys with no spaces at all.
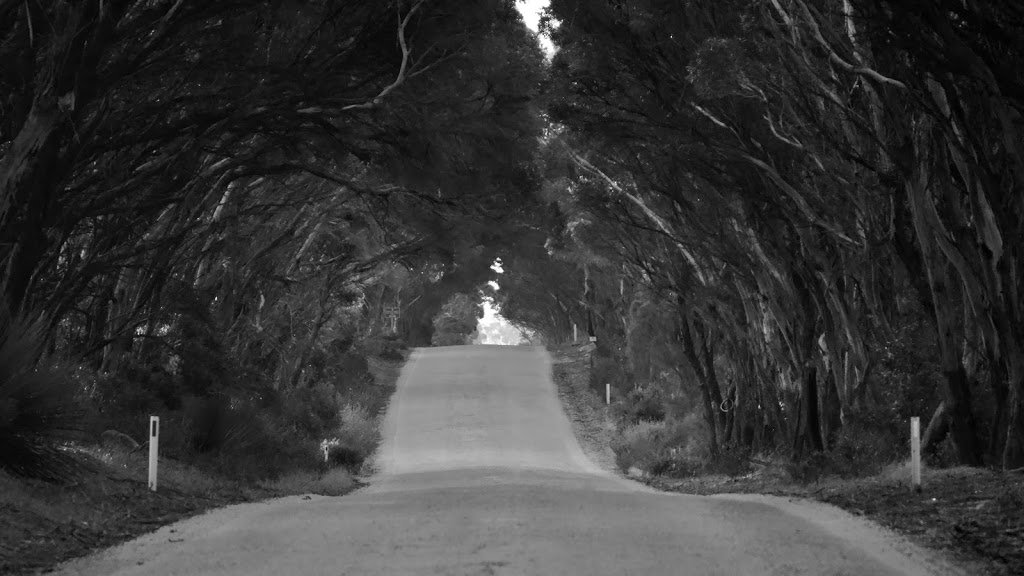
{"x":43,"y":524}
{"x":591,"y":422}
{"x":968,"y":517}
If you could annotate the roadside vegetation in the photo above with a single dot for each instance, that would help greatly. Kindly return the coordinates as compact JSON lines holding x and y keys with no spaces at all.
{"x":790,"y":227}
{"x":971,"y":513}
{"x":74,"y":491}
{"x":236,"y":217}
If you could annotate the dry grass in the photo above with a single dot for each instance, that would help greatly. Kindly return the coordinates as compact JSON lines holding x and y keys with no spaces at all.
{"x":590,"y":418}
{"x":334,"y":482}
{"x":171,"y":473}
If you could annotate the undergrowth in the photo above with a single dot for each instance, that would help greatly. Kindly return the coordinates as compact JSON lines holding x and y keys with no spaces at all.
{"x":39,"y":406}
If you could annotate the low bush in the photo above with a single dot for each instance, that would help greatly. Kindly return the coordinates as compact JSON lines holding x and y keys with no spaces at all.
{"x":607,"y":370}
{"x":334,"y":482}
{"x":274,"y":448}
{"x":355,"y":441}
{"x":314,"y":411}
{"x":353,"y":370}
{"x":39,"y":405}
{"x":653,"y":447}
{"x":731,"y":461}
{"x":674,"y":465}
{"x":647,"y":403}
{"x":389,"y":347}
{"x":675,"y":448}
{"x":811,"y":468}
{"x":214,"y":425}
{"x":868,"y":441}
{"x":636,"y":445}
{"x":695,"y":430}
{"x":235,"y":439}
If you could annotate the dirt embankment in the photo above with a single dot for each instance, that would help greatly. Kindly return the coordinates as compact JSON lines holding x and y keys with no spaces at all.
{"x":975,"y":516}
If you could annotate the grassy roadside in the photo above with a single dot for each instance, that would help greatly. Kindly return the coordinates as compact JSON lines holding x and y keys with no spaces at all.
{"x":43,"y":524}
{"x":588,"y":415}
{"x":975,"y":516}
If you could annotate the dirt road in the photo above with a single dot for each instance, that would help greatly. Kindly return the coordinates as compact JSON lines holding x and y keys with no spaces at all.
{"x":479,"y":474}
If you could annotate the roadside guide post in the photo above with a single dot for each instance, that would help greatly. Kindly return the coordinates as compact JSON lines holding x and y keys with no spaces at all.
{"x":573,"y":332}
{"x":608,"y":394}
{"x":154,"y":443}
{"x":915,"y":453}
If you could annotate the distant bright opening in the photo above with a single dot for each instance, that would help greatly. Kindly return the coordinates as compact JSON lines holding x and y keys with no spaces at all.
{"x":531,"y":11}
{"x":493,"y":328}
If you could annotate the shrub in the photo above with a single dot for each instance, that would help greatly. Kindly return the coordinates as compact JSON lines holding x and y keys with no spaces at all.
{"x":674,"y":465}
{"x":39,"y":406}
{"x":134,"y":389}
{"x":731,"y":461}
{"x":606,"y":370}
{"x":238,"y":440}
{"x":449,"y":339}
{"x":281,"y":451}
{"x":640,"y":404}
{"x":389,"y":347}
{"x":695,"y":430}
{"x":637,"y":445}
{"x":353,"y":370}
{"x":811,"y":468}
{"x":868,"y":441}
{"x":355,"y":441}
{"x":314,"y":411}
{"x":393,"y":350}
{"x":652,"y":447}
{"x":859,"y":451}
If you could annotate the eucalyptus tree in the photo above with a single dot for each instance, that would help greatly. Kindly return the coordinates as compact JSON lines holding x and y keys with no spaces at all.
{"x":225,"y":184}
{"x":728,"y":179}
{"x":796,"y":168}
{"x":927,"y":101}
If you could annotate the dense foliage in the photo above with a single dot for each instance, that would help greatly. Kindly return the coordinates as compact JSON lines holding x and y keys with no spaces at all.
{"x":807,"y":215}
{"x":790,"y":224}
{"x":213,"y":204}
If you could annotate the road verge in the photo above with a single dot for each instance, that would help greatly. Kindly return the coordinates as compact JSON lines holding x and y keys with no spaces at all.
{"x":43,"y":524}
{"x":970,"y":515}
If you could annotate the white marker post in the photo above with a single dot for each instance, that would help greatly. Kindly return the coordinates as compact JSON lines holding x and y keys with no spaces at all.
{"x":608,"y":394}
{"x":154,"y":443}
{"x":574,"y":333}
{"x":915,"y":453}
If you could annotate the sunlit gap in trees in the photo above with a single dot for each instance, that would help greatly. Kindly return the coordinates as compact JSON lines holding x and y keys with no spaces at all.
{"x":493,"y":328}
{"x":532,"y":10}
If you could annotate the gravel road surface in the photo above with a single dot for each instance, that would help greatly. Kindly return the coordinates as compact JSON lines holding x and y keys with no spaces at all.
{"x":479,"y":474}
